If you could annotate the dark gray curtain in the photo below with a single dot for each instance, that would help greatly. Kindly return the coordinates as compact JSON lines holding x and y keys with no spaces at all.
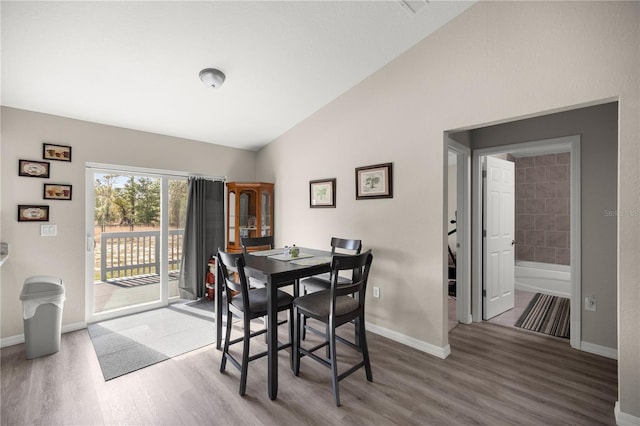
{"x":203,"y":234}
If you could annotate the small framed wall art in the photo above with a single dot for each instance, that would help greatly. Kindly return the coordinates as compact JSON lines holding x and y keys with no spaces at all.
{"x":56,"y":152}
{"x":31,"y":168}
{"x":374,"y":181}
{"x":322,"y":193}
{"x":56,"y":191}
{"x":31,"y":213}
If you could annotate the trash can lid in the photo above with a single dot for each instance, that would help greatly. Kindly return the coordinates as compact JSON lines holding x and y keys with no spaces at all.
{"x":41,"y":286}
{"x":44,"y":279}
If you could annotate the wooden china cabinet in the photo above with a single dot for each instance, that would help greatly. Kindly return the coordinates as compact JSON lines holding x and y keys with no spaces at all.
{"x":249,"y":212}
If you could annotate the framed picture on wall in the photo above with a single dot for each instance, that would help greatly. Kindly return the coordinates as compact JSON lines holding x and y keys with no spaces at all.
{"x":322,"y":193}
{"x":56,"y":152}
{"x":31,"y":213}
{"x":56,"y":191}
{"x":33,"y":168}
{"x":374,"y":181}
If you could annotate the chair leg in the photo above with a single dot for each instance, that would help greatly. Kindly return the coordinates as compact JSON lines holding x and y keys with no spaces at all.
{"x":291,"y":333}
{"x":331,"y":334}
{"x":297,"y":317}
{"x":265,"y":322}
{"x":245,"y":355}
{"x":225,"y":348}
{"x":304,"y":320}
{"x":362,"y":341}
{"x":326,"y":337}
{"x":304,"y":328}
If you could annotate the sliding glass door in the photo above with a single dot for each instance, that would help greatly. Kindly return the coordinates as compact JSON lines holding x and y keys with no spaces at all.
{"x":135,"y":226}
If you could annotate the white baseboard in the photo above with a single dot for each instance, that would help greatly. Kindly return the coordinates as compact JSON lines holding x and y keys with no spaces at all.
{"x":537,"y":289}
{"x":18,"y":339}
{"x":69,"y":328}
{"x":604,"y":351}
{"x":12,"y":340}
{"x":440,"y":352}
{"x":624,"y":419}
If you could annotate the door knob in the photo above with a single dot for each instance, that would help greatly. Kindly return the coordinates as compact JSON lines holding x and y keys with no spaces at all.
{"x":513,"y":242}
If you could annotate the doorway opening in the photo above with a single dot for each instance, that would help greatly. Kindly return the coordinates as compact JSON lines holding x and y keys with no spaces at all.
{"x":476,"y":309}
{"x":564,"y":247}
{"x":135,"y":227}
{"x":594,"y":165}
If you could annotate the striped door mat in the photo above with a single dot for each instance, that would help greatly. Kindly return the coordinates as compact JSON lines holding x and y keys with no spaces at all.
{"x":546,"y":314}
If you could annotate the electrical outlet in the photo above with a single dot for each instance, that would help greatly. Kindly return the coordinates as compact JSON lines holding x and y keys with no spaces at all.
{"x":376,"y":292}
{"x":590,"y":303}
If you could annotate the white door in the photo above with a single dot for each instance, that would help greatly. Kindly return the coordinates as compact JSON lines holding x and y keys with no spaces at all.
{"x":499,"y":240}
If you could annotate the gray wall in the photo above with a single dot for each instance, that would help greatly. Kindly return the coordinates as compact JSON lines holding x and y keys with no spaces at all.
{"x":598,"y":128}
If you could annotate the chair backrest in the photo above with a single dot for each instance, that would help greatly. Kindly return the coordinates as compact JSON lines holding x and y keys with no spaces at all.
{"x":256,"y":242}
{"x":360,"y":264}
{"x":233,"y":276}
{"x":345,"y":244}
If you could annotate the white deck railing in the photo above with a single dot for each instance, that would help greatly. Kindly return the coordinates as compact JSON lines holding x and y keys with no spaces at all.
{"x":124,"y":254}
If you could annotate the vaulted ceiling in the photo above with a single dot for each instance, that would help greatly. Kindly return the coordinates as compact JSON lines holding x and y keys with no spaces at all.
{"x":135,"y":64}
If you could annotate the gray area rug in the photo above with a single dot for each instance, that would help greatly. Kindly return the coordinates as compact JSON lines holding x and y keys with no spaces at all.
{"x":547,"y":314}
{"x":137,"y":341}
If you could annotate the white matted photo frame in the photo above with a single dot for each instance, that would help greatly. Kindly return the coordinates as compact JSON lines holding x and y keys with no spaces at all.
{"x":56,"y":152}
{"x":322,"y":193}
{"x":30,"y":168}
{"x":374,"y":181}
{"x":33,"y":213}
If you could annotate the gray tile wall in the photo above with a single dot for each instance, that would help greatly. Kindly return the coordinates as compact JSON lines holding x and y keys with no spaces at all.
{"x":542,"y":208}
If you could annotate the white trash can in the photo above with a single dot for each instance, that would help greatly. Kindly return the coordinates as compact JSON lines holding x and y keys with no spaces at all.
{"x":42,"y":299}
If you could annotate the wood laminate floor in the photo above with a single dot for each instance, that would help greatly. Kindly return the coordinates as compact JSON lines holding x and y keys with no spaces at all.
{"x":494,"y":376}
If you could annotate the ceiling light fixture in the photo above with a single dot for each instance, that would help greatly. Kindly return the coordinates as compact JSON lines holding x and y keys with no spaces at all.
{"x":212,"y":77}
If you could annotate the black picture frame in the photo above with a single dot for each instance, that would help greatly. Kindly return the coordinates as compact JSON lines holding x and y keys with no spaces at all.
{"x":55,"y":152}
{"x":33,"y":213}
{"x":31,"y":168}
{"x":57,"y":191}
{"x":374,"y":181}
{"x":322,"y":193}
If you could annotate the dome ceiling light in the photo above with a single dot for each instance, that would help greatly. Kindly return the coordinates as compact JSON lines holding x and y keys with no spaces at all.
{"x":212,"y":77}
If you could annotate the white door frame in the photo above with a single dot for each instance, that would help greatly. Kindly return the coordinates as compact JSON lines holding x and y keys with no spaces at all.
{"x":563,"y":144}
{"x":463,"y":229}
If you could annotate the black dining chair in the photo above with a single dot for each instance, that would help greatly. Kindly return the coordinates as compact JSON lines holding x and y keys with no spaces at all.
{"x":335,"y":307}
{"x":250,"y":244}
{"x":247,"y":304}
{"x":323,"y":281}
{"x":264,"y":243}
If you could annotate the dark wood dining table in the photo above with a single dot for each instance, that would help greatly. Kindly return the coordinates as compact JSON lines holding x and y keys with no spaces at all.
{"x":275,"y":273}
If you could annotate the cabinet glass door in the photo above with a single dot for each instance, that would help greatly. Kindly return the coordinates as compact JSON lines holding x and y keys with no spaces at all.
{"x":232,"y":217}
{"x":265,"y":225}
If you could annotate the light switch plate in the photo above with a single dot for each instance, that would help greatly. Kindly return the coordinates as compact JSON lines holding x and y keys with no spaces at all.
{"x":48,"y":230}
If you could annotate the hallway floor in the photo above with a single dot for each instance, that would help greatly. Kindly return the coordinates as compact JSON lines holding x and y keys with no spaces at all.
{"x":508,"y":318}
